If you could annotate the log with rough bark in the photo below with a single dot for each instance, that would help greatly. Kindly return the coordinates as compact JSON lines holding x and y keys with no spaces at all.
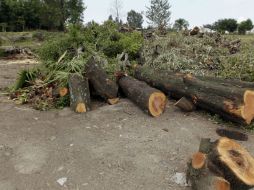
{"x":102,"y":84}
{"x":200,"y":176}
{"x":223,"y":164}
{"x":168,"y":82}
{"x":149,"y":99}
{"x":231,"y":102}
{"x":235,"y":162}
{"x":79,"y":93}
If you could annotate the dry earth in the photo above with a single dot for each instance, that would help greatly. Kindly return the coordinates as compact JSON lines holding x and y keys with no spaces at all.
{"x":113,"y":148}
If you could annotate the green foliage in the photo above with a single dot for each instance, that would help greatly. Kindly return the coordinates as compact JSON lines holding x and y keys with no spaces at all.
{"x":245,"y":26}
{"x":159,"y":13}
{"x":24,"y":77}
{"x":181,"y":24}
{"x":20,"y":15}
{"x":135,"y":19}
{"x":223,"y":25}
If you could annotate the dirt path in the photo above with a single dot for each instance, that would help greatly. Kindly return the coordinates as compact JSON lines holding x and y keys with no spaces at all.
{"x":114,"y":147}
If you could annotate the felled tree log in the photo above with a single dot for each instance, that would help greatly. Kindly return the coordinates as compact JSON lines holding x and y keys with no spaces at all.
{"x":231,"y":102}
{"x":79,"y":93}
{"x":236,"y":163}
{"x":149,"y":99}
{"x":102,"y":84}
{"x":168,"y":82}
{"x":228,"y":82}
{"x":185,"y":105}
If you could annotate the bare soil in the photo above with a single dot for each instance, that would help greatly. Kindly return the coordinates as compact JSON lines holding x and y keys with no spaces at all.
{"x":112,"y":148}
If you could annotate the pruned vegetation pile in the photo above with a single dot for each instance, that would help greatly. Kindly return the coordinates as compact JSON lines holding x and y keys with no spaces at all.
{"x":69,"y":54}
{"x":203,"y":54}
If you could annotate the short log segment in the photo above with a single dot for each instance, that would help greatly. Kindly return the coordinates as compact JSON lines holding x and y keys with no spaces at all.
{"x":79,"y":93}
{"x":149,"y":99}
{"x":223,"y":164}
{"x":200,"y":176}
{"x":102,"y":84}
{"x":236,"y":163}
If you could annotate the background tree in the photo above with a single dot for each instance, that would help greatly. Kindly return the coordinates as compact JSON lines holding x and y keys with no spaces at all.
{"x":135,"y":19}
{"x":181,"y":24}
{"x":159,"y":13}
{"x":223,"y":25}
{"x":116,"y":8}
{"x":245,"y":26}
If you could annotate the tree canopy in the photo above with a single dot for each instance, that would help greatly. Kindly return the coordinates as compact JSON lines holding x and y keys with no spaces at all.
{"x":135,"y":19}
{"x":245,"y":26}
{"x":159,"y":13}
{"x":19,"y":15}
{"x":181,"y":24}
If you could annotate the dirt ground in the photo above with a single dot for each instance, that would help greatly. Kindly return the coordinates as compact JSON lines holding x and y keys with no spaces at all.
{"x":113,"y":148}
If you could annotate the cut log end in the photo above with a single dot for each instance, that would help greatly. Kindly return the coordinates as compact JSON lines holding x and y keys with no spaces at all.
{"x":157,"y":104}
{"x":113,"y":101}
{"x":81,"y":108}
{"x":237,"y":159}
{"x":185,"y":105}
{"x":63,"y":91}
{"x":198,"y":160}
{"x":221,"y":184}
{"x":248,"y":108}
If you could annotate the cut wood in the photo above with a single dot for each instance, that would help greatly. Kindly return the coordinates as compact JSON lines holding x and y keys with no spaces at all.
{"x":113,"y":101}
{"x":238,"y":103}
{"x":185,"y":105}
{"x":200,"y":176}
{"x":63,"y":91}
{"x":79,"y":93}
{"x":102,"y":84}
{"x":231,"y":102}
{"x":149,"y":99}
{"x":235,"y":162}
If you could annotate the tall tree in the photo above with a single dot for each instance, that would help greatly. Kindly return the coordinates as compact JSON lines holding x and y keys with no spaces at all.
{"x":245,"y":26}
{"x":135,"y":19}
{"x":159,"y":13}
{"x":116,"y":8}
{"x":181,"y":24}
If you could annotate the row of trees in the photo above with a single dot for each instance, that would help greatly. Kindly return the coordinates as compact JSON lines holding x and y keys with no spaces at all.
{"x":231,"y":25}
{"x":19,"y":15}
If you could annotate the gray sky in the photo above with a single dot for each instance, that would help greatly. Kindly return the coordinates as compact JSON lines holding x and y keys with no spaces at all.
{"x":197,"y":12}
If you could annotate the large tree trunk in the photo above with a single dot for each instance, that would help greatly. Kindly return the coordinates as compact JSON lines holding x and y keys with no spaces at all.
{"x":220,"y":165}
{"x":79,"y":93}
{"x":231,"y":102}
{"x":237,"y":103}
{"x":149,"y":99}
{"x":102,"y":84}
{"x":168,"y":82}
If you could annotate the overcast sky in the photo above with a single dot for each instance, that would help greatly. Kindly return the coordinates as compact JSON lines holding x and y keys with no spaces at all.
{"x":197,"y":12}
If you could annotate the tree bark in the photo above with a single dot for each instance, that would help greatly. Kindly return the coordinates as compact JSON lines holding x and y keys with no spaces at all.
{"x":102,"y":84}
{"x":236,"y":163}
{"x":149,"y":99}
{"x":185,"y":105}
{"x":231,"y":102}
{"x":79,"y":93}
